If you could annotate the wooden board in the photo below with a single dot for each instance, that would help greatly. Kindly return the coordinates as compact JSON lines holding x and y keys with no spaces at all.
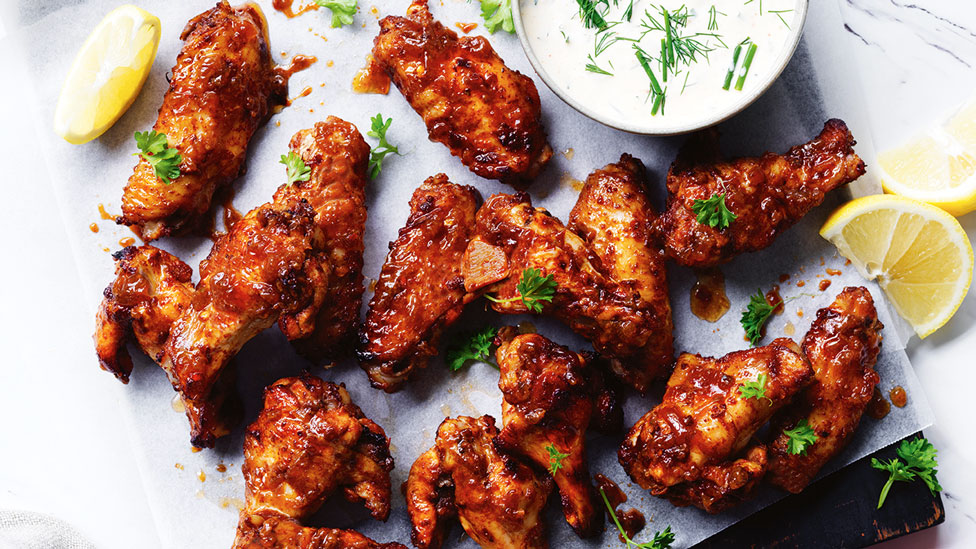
{"x":838,"y":511}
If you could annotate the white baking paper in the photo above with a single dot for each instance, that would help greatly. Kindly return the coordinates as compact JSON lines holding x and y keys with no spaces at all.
{"x":192,"y":512}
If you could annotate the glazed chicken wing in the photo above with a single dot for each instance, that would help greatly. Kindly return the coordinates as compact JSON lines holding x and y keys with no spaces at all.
{"x":723,"y":485}
{"x":497,"y":499}
{"x":487,"y":114}
{"x":766,"y":194}
{"x":842,"y":345}
{"x":704,"y":419}
{"x":513,"y":236}
{"x":222,"y":88}
{"x":337,"y":155}
{"x":309,"y":441}
{"x":614,"y":215}
{"x":271,"y":262}
{"x":151,"y":290}
{"x":547,"y":404}
{"x":420,"y":291}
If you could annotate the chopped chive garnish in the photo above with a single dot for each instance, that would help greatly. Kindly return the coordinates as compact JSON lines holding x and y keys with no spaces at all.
{"x":735,"y":62}
{"x":744,"y":71}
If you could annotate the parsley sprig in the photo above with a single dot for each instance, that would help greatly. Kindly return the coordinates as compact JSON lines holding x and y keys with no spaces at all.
{"x":533,"y":289}
{"x":164,"y":159}
{"x":377,"y":130}
{"x":295,"y":167}
{"x":555,"y":458}
{"x":919,"y":462}
{"x":755,"y":389}
{"x":713,"y":212}
{"x":801,"y":437}
{"x":662,"y":539}
{"x":498,"y":14}
{"x":473,"y":347}
{"x":755,"y":316}
{"x":342,"y":10}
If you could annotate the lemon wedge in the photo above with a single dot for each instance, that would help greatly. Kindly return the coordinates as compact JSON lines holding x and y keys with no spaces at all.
{"x":107,"y":74}
{"x":919,"y":254}
{"x":938,"y":166}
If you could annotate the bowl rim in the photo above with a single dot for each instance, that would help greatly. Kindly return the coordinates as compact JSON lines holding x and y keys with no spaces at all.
{"x":786,"y":54}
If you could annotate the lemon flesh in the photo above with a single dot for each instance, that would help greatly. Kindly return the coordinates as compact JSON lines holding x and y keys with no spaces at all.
{"x":107,"y":74}
{"x":938,"y":166}
{"x":919,"y":255}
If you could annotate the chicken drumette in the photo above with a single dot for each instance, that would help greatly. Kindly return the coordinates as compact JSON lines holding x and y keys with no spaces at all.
{"x":842,"y":345}
{"x":766,"y":194}
{"x":420,"y":291}
{"x":497,"y":499}
{"x":309,"y":441}
{"x":487,"y":114}
{"x":547,"y":406}
{"x":686,"y":448}
{"x":222,"y":88}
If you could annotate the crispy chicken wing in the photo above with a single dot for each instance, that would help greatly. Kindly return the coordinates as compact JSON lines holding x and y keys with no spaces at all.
{"x":337,"y":155}
{"x":222,"y":88}
{"x":614,"y":215}
{"x":309,"y":441}
{"x":513,"y":236}
{"x":704,"y":419}
{"x":548,"y":403}
{"x":767,"y":194}
{"x":420,"y":291}
{"x":723,"y":485}
{"x":498,"y":499}
{"x":842,"y":345}
{"x":269,"y":263}
{"x":487,"y":114}
{"x":151,"y":290}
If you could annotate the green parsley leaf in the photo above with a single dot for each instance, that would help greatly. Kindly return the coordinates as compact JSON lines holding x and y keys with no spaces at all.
{"x":295,"y":167}
{"x":155,"y":150}
{"x":555,"y":458}
{"x":475,"y":347}
{"x":662,"y":539}
{"x":533,"y":289}
{"x":801,"y":437}
{"x":919,"y":461}
{"x":712,"y":212}
{"x":377,"y":130}
{"x":755,"y":389}
{"x":342,"y":10}
{"x":498,"y":13}
{"x":755,"y":316}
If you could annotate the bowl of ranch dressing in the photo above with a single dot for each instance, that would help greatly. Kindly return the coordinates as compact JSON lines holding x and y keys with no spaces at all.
{"x":659,"y":67}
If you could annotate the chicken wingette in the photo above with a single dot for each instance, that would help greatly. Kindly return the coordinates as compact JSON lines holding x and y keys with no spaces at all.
{"x":498,"y":500}
{"x":487,"y":114}
{"x":308,"y":442}
{"x":842,"y":345}
{"x":767,"y":195}
{"x":222,"y":89}
{"x":420,"y":291}
{"x":546,"y":410}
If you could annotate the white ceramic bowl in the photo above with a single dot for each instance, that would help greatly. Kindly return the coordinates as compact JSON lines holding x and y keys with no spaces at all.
{"x":677,"y":126}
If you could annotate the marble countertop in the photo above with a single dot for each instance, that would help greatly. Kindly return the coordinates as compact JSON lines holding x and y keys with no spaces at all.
{"x":66,"y":447}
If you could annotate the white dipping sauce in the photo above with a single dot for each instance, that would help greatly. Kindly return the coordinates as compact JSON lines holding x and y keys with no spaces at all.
{"x":693,"y":92}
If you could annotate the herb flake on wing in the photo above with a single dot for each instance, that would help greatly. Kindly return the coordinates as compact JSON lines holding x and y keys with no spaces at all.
{"x":164,"y":159}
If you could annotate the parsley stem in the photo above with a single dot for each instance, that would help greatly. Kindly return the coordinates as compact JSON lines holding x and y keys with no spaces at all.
{"x":731,"y":72}
{"x":506,"y":300}
{"x":884,"y":491}
{"x":744,"y":71}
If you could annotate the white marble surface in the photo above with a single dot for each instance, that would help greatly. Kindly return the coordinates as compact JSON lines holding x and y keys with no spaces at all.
{"x":916,"y":62}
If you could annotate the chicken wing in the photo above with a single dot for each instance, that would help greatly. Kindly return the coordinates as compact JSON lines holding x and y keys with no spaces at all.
{"x":547,"y":408}
{"x":337,"y":155}
{"x":487,"y":114}
{"x":842,"y":345}
{"x":222,"y":88}
{"x":724,"y":485}
{"x":309,"y":441}
{"x":513,"y":236}
{"x":498,"y":499}
{"x":271,"y":262}
{"x":705,"y":418}
{"x":420,"y":291}
{"x":614,"y":215}
{"x":151,"y":290}
{"x":767,"y":194}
